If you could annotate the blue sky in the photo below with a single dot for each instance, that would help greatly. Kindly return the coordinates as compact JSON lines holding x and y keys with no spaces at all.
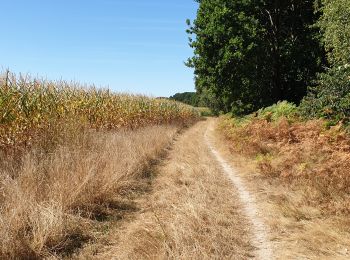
{"x":135,"y":46}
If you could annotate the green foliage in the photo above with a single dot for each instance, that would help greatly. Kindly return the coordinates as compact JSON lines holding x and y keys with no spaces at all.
{"x":253,"y":53}
{"x":335,"y":25}
{"x":276,"y":111}
{"x":272,"y":113}
{"x":193,"y":99}
{"x":330,"y":98}
{"x":190,"y":98}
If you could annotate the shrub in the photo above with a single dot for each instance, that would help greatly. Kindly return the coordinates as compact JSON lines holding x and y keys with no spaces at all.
{"x":331,"y":98}
{"x":276,"y":111}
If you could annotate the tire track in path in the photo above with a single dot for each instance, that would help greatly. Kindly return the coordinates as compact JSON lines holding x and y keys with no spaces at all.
{"x":259,"y":231}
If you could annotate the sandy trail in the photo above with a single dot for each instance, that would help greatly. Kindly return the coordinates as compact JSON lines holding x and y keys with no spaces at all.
{"x":197,"y":209}
{"x":259,"y":231}
{"x":205,"y":202}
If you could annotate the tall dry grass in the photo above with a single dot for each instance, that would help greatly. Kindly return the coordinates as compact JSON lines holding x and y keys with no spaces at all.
{"x":192,"y":212}
{"x":49,"y":201}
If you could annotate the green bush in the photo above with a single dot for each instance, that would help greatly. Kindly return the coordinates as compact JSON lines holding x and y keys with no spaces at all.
{"x":276,"y":111}
{"x":272,"y":113}
{"x":330,"y":99}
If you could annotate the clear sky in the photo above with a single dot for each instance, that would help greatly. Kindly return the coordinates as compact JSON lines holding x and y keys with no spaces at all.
{"x":135,"y":46}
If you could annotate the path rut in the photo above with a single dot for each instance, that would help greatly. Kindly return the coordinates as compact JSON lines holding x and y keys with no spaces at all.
{"x":198,"y":208}
{"x":259,"y":231}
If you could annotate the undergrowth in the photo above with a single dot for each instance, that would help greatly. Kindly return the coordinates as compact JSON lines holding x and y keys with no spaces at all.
{"x":310,"y":154}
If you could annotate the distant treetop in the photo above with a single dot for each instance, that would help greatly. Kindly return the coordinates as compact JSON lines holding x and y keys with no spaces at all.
{"x":190,"y":98}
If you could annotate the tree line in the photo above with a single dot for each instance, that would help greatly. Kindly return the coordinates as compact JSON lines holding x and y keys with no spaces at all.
{"x":189,"y":98}
{"x":250,"y":54}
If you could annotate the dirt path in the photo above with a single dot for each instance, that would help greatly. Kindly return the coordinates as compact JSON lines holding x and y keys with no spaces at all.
{"x":205,"y":202}
{"x":197,"y":209}
{"x":259,"y":231}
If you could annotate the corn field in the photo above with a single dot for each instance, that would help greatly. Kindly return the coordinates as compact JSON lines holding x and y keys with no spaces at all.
{"x":30,"y":108}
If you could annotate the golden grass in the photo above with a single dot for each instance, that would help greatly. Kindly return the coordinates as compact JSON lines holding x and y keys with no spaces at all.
{"x":192,"y":212}
{"x":49,"y":208}
{"x":69,"y":157}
